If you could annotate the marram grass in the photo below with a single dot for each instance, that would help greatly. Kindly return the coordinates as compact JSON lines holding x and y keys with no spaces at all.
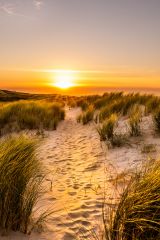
{"x":30,"y":115}
{"x":87,"y":116}
{"x":138,"y":214}
{"x":106,"y":129}
{"x":134,"y":121}
{"x":156,"y":118}
{"x":20,"y":182}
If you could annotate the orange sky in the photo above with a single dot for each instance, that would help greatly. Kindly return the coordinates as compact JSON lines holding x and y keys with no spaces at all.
{"x":105,"y":43}
{"x":32,"y":79}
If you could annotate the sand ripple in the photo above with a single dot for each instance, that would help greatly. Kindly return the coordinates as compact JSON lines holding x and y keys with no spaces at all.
{"x":74,"y":155}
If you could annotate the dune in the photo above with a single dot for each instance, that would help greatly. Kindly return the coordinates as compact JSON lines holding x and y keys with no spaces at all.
{"x":84,"y":175}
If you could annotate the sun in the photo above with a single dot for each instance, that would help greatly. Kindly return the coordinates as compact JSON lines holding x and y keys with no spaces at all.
{"x":64,"y":79}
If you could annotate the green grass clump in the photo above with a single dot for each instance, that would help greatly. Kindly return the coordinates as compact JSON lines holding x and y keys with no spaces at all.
{"x":20,"y":181}
{"x":138,"y":213}
{"x":87,"y":116}
{"x":134,"y":121}
{"x":106,"y":131}
{"x":30,"y":115}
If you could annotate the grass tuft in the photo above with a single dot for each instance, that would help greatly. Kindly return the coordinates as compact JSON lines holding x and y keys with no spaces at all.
{"x":106,"y":130}
{"x":20,"y":181}
{"x":156,"y":119}
{"x":30,"y":115}
{"x":86,"y":116}
{"x":134,"y":121}
{"x":138,"y":213}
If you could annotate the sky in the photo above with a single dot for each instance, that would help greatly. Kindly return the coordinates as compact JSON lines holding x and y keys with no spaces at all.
{"x":101,"y":43}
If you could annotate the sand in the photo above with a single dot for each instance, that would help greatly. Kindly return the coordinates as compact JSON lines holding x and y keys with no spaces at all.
{"x":81,"y":169}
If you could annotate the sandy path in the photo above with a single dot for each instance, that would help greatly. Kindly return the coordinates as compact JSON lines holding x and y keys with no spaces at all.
{"x":76,"y":159}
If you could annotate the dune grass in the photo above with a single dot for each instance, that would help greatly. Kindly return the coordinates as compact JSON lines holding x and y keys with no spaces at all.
{"x":156,"y":119}
{"x":30,"y":115}
{"x":106,"y":130}
{"x":87,"y":116}
{"x":138,"y":214}
{"x":83,"y":104}
{"x":148,"y":148}
{"x":134,"y":121}
{"x":153,"y":104}
{"x":120,"y":104}
{"x":20,"y":182}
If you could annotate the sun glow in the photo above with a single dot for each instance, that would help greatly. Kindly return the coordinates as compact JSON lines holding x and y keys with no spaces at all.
{"x":64,"y":79}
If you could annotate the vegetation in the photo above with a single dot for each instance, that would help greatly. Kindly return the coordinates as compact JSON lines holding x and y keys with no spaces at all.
{"x":20,"y":181}
{"x":137,"y":215}
{"x":106,"y":130}
{"x":9,"y":96}
{"x":22,"y":115}
{"x":138,"y":212}
{"x":122,"y":104}
{"x":152,"y":104}
{"x":86,"y":116}
{"x":120,"y":140}
{"x":148,"y":148}
{"x":83,"y":104}
{"x":134,"y":121}
{"x":157,"y":120}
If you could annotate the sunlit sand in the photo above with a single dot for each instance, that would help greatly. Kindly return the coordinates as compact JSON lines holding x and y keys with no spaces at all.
{"x":84,"y":175}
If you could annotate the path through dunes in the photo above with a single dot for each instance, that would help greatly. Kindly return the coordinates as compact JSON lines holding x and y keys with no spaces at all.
{"x":80,"y":169}
{"x":75,"y":156}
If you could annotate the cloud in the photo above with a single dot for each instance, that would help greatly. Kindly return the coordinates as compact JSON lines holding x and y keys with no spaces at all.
{"x":38,"y":4}
{"x":7,"y":8}
{"x":10,"y":10}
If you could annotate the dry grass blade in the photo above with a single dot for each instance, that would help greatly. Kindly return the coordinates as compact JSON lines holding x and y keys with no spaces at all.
{"x":134,"y":121}
{"x":86,"y":116}
{"x":138,"y":213}
{"x":20,"y":182}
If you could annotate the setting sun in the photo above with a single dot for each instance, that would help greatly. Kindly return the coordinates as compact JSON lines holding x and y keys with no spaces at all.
{"x":64,"y":79}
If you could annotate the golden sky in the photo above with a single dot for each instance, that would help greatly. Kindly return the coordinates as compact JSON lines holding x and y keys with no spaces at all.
{"x":48,"y":78}
{"x":48,"y":43}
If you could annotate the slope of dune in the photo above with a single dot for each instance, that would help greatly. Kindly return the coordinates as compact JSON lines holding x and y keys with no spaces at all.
{"x":80,"y":170}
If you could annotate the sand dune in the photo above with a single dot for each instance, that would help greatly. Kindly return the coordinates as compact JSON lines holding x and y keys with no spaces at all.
{"x":81,"y":169}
